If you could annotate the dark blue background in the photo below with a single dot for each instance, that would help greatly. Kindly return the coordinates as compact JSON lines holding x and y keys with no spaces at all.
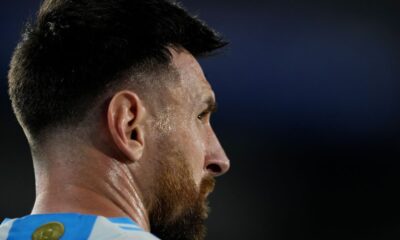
{"x":309,"y":114}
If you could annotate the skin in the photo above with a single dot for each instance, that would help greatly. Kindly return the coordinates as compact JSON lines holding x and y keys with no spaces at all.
{"x":138,"y":157}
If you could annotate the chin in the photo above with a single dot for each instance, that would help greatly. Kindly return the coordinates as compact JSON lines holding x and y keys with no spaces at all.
{"x":179,"y":207}
{"x":188,"y":225}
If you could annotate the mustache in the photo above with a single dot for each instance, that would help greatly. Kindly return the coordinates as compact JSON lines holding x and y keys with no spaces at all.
{"x":207,"y":185}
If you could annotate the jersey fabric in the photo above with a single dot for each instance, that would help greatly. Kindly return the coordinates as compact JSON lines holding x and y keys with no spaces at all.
{"x":74,"y":227}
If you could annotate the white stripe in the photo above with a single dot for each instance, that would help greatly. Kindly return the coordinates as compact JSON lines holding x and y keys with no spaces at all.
{"x":5,"y":229}
{"x":104,"y":229}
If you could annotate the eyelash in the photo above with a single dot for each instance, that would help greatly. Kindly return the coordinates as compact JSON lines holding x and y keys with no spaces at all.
{"x":202,"y":115}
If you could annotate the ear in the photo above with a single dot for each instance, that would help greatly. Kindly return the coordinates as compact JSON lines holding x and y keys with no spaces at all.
{"x":125,"y":116}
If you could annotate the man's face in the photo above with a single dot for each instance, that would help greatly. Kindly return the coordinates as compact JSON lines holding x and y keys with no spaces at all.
{"x":185,"y":152}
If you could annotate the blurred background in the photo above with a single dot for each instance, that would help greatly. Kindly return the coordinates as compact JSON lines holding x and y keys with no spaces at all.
{"x":309,"y":95}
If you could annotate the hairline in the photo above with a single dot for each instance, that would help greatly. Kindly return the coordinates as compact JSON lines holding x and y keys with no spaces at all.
{"x":139,"y":79}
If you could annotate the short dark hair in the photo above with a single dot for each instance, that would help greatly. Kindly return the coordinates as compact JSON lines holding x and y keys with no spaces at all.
{"x":76,"y":48}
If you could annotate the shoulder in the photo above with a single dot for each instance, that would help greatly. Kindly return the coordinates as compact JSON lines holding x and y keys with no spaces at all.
{"x":118,"y":229}
{"x":72,"y":227}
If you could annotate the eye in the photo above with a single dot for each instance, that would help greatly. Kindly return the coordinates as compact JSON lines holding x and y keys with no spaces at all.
{"x":202,"y":115}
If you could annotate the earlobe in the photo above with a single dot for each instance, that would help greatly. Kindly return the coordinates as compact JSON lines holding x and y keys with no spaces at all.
{"x":125,"y":116}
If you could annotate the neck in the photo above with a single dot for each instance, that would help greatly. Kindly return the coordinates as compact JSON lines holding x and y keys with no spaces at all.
{"x":97,"y":185}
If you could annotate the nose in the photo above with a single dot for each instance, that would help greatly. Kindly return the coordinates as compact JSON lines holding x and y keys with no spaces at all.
{"x":216,"y":162}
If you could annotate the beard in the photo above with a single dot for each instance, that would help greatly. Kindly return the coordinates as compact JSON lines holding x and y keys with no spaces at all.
{"x":180,"y":207}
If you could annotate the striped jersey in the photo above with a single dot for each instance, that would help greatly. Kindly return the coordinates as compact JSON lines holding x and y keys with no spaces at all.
{"x":72,"y":226}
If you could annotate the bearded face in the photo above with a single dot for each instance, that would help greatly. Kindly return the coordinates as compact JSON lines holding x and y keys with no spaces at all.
{"x":184,"y":154}
{"x":180,"y":208}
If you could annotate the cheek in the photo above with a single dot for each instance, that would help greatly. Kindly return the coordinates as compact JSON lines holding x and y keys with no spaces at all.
{"x":194,"y":147}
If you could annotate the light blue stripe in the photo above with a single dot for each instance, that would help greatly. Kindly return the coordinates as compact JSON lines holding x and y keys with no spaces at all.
{"x":124,"y":220}
{"x":131,"y":228}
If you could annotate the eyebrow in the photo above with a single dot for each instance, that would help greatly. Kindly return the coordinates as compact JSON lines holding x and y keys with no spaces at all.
{"x":211,"y":105}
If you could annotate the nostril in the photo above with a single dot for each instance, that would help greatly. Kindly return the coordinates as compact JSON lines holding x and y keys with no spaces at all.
{"x":214,"y":168}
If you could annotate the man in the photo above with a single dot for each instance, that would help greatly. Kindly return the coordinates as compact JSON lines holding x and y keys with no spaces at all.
{"x":116,"y":110}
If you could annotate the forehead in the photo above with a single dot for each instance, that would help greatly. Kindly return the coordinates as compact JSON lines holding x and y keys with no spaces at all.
{"x":185,"y":94}
{"x":190,"y":71}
